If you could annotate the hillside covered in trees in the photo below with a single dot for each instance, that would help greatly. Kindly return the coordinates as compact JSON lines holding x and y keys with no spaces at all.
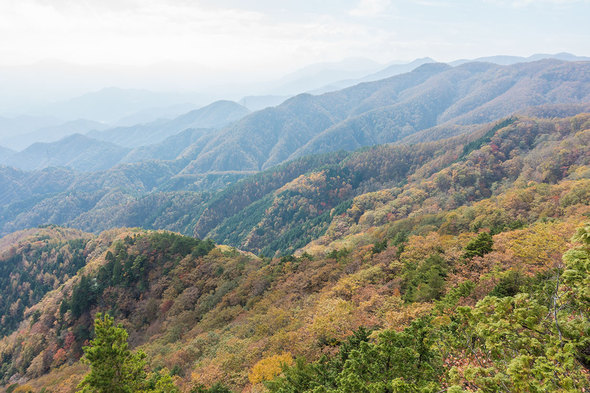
{"x":273,"y":197}
{"x":459,"y":265}
{"x":91,"y":183}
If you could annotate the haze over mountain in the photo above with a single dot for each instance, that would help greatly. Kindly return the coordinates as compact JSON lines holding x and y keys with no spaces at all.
{"x":387,"y":72}
{"x":5,"y":153}
{"x":215,"y":115}
{"x":151,"y":114}
{"x":509,"y":60}
{"x":111,"y":104}
{"x":160,"y":140}
{"x":135,"y":103}
{"x":76,"y":151}
{"x":388,"y":110}
{"x":15,"y":126}
{"x":315,"y":76}
{"x":397,"y":68}
{"x":52,"y":133}
{"x":105,"y":93}
{"x":256,"y":103}
{"x":447,"y":100}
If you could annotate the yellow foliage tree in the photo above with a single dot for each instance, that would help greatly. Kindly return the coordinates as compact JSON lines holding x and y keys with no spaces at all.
{"x":268,"y":368}
{"x":24,"y":389}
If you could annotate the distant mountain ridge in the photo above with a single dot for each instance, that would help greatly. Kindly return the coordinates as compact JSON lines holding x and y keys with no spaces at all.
{"x":110,"y":104}
{"x":509,"y":60}
{"x":75,"y":151}
{"x":314,"y":76}
{"x":10,"y":127}
{"x":387,"y":72}
{"x":256,"y":103}
{"x":403,"y":67}
{"x":388,"y":110}
{"x":5,"y":153}
{"x":52,"y":133}
{"x":215,"y":115}
{"x":438,"y":97}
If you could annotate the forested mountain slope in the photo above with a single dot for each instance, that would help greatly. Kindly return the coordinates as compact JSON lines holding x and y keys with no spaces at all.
{"x":388,"y":110}
{"x":34,"y":262}
{"x":453,"y":260}
{"x":443,"y":256}
{"x":287,"y":217}
{"x":58,"y":195}
{"x":284,"y":208}
{"x":170,"y":148}
{"x":219,"y":316}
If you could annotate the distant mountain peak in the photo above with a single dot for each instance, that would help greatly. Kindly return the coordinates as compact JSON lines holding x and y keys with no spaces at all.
{"x":430,"y":67}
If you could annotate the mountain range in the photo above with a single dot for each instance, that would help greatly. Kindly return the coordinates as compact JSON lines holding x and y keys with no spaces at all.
{"x":154,"y":194}
{"x":74,"y":151}
{"x":433,"y":102}
{"x":425,"y":232}
{"x":508,"y":60}
{"x":389,"y":110}
{"x":129,"y":107}
{"x":52,"y":133}
{"x":215,"y":115}
{"x":397,"y":68}
{"x":441,"y":248}
{"x":97,"y":150}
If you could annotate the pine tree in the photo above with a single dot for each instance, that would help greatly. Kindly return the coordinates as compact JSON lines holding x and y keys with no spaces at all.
{"x":113,"y":367}
{"x":479,"y":246}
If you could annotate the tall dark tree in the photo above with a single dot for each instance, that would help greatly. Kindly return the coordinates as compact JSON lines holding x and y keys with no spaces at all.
{"x":479,"y":246}
{"x":113,"y":367}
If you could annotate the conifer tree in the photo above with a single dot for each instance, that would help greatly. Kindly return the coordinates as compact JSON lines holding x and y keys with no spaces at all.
{"x":113,"y":367}
{"x":479,"y":246}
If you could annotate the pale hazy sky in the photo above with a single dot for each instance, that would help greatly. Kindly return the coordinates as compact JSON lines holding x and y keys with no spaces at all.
{"x":262,"y":34}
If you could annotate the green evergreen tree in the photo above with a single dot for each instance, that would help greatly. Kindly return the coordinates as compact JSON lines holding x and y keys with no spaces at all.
{"x":576,"y":278}
{"x":161,"y":382}
{"x":82,"y":297}
{"x":113,"y":367}
{"x":216,"y":388}
{"x":479,"y":246}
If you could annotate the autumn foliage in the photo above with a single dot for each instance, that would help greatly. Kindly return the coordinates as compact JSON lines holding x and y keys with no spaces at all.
{"x":464,"y":276}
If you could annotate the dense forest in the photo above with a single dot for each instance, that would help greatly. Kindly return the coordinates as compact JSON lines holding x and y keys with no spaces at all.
{"x":460,"y":265}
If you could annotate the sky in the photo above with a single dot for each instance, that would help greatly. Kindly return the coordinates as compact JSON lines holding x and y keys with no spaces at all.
{"x":54,"y":50}
{"x":265,"y":35}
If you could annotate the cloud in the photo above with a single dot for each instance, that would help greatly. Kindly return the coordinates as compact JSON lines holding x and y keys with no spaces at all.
{"x":156,"y":31}
{"x":370,"y":8}
{"x":268,"y":36}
